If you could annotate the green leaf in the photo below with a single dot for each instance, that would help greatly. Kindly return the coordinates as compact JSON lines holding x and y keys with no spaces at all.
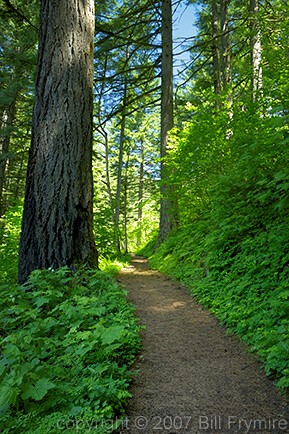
{"x":112,"y":334}
{"x":8,"y":395}
{"x":38,"y":390}
{"x":11,"y":350}
{"x":284,"y":382}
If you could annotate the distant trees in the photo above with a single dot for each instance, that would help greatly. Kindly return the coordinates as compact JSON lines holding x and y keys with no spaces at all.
{"x":145,"y":171}
{"x":237,"y":90}
{"x":57,"y":220}
{"x":127,"y":88}
{"x":18,"y":37}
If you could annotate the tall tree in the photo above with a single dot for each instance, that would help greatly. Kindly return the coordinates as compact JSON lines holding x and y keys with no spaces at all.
{"x":168,"y":220}
{"x":225,"y":43}
{"x":140,"y":194}
{"x":216,"y":47}
{"x":18,"y":39}
{"x":5,"y":128}
{"x":57,"y":218}
{"x":256,"y":50}
{"x":120,"y":169}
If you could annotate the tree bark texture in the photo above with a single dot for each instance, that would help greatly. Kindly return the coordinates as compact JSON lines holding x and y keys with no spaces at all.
{"x":57,"y":226}
{"x":167,"y":205}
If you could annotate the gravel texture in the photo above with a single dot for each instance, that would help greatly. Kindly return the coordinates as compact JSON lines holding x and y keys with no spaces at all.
{"x":194,"y":377}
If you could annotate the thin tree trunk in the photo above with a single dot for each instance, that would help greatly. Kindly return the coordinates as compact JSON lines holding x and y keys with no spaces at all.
{"x":225,"y":43}
{"x":104,"y":134}
{"x":168,"y":220}
{"x":256,"y":51}
{"x":140,"y":196}
{"x":119,"y":170}
{"x":20,"y":176}
{"x":107,"y":172}
{"x":216,"y":48}
{"x":226,"y":59}
{"x":57,"y":226}
{"x":125,"y":202}
{"x":6,"y":127}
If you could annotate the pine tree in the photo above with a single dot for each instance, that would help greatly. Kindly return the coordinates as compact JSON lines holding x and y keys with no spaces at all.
{"x":57,"y":217}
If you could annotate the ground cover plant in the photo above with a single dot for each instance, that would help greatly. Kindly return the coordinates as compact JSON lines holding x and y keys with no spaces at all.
{"x":235,"y":262}
{"x":9,"y":239}
{"x":68,"y":341}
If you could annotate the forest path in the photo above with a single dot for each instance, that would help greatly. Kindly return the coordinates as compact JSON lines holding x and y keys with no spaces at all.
{"x":193,"y":378}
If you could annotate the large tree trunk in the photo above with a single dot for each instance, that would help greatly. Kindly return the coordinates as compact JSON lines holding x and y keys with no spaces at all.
{"x":168,"y":207}
{"x":57,"y":227}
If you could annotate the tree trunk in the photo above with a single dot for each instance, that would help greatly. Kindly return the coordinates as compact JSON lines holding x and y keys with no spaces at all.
{"x":225,"y":43}
{"x":140,"y":196}
{"x":107,"y":174}
{"x":102,"y":131}
{"x":226,"y":59}
{"x":119,"y":170}
{"x":216,"y":48}
{"x":6,"y":126}
{"x":168,"y":207}
{"x":125,"y":206}
{"x":57,"y":227}
{"x":256,"y":51}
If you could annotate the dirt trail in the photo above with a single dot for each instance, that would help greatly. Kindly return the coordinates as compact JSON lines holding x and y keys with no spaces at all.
{"x":193,"y":377}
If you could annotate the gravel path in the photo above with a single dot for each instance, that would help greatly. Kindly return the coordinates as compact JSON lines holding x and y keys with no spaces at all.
{"x":194,"y":378}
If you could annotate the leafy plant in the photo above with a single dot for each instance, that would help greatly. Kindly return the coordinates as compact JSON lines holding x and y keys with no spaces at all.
{"x":68,"y":341}
{"x":9,"y":239}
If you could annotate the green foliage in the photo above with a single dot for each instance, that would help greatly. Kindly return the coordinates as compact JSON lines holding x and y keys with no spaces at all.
{"x":9,"y":239}
{"x":235,"y":257}
{"x":230,"y":171}
{"x":149,"y":248}
{"x":68,"y":341}
{"x":114,"y":264}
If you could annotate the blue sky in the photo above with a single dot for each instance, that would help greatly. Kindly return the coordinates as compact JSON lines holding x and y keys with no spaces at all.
{"x":184,"y":27}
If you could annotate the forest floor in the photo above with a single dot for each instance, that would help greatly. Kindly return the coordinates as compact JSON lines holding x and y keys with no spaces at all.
{"x":193,"y":376}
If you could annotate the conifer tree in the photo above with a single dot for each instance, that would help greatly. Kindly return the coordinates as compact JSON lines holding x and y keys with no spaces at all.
{"x":57,"y":217}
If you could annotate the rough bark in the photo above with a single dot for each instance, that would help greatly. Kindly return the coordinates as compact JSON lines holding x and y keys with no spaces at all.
{"x":57,"y":227}
{"x":168,"y":203}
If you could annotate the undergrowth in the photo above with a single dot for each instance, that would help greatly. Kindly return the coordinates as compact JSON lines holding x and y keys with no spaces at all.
{"x":68,"y":341}
{"x":235,"y":260}
{"x":9,"y":239}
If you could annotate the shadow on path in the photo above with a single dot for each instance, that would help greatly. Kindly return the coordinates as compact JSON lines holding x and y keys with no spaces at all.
{"x":194,"y":378}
